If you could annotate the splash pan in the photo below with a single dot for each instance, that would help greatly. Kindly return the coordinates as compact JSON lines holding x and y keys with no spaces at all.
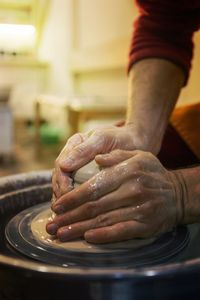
{"x":26,"y":233}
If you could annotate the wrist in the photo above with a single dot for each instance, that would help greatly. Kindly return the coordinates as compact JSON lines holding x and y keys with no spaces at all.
{"x":180,"y":195}
{"x":144,"y":138}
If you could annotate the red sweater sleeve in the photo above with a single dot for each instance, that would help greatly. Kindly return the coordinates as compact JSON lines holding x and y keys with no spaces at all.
{"x":165,"y":29}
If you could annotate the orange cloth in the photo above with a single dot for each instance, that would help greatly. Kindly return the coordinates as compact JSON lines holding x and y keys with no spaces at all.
{"x":186,"y":121}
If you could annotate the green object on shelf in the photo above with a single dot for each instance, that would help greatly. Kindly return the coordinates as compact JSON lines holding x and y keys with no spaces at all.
{"x":49,"y":135}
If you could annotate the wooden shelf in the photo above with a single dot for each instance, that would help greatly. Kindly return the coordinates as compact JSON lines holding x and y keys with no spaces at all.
{"x":16,"y":5}
{"x":23,"y":62}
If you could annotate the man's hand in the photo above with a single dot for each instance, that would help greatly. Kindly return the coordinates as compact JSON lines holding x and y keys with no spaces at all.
{"x":134,"y":196}
{"x":82,"y":148}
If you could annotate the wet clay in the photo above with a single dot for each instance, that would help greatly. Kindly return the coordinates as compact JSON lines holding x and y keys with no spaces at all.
{"x":38,"y":225}
{"x":86,"y":172}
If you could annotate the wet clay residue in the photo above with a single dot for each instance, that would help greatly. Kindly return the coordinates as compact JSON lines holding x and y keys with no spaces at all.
{"x":38,"y":227}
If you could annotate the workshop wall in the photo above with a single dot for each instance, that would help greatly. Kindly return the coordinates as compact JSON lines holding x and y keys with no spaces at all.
{"x":85,"y":43}
{"x":191,"y":93}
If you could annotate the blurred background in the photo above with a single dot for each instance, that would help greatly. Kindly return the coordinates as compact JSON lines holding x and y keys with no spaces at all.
{"x":62,"y":70}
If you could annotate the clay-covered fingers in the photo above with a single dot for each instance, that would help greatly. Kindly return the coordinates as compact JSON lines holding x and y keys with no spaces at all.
{"x":72,"y":142}
{"x":117,"y":232}
{"x":82,"y":148}
{"x":79,"y":229}
{"x":55,"y":187}
{"x":99,"y":141}
{"x":114,"y":200}
{"x":61,"y":181}
{"x":93,"y":189}
{"x":84,"y":152}
{"x":136,"y":197}
{"x":150,"y":218}
{"x":114,"y":157}
{"x":99,"y":185}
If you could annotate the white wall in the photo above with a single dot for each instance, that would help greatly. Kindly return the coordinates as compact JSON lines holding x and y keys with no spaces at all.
{"x":26,"y":81}
{"x":86,"y":43}
{"x":102,"y":32}
{"x":101,"y":38}
{"x":99,"y":22}
{"x":55,"y":46}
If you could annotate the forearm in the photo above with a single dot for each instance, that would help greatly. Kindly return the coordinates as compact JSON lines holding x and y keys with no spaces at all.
{"x":188,"y":194}
{"x":154,"y":87}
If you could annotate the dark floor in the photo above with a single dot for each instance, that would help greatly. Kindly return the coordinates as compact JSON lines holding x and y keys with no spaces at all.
{"x":26,"y":156}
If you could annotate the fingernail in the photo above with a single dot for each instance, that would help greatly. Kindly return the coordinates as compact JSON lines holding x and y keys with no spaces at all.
{"x":53,"y":199}
{"x":52,"y":228}
{"x":67,"y":162}
{"x":103,"y":156}
{"x":59,"y":209}
{"x":89,"y":235}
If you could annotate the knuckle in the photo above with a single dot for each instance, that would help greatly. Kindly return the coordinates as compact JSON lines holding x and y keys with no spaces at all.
{"x":133,"y":189}
{"x":101,"y":137}
{"x":98,"y":133}
{"x":138,"y":152}
{"x":140,"y":183}
{"x":101,"y":220}
{"x":140,"y":163}
{"x":120,"y":214}
{"x":79,"y":150}
{"x":123,"y":226}
{"x":149,"y":213}
{"x":91,"y":209}
{"x":136,"y":165}
{"x":120,"y":169}
{"x":126,"y":229}
{"x":137,"y":189}
{"x":147,"y":209}
{"x":119,"y":152}
{"x":65,"y":219}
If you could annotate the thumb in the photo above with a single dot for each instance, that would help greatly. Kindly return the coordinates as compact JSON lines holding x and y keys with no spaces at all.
{"x":113,"y":158}
{"x":83,"y":153}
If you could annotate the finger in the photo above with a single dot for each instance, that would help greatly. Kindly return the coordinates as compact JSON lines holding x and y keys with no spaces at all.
{"x":65,"y":182}
{"x":72,"y":142}
{"x":120,"y":123}
{"x":129,"y":184}
{"x":62,"y":182}
{"x":99,"y":185}
{"x":117,"y":233}
{"x":53,"y":199}
{"x":77,"y":229}
{"x":84,"y":152}
{"x":73,"y":231}
{"x":113,"y":158}
{"x":55,"y":186}
{"x":115,"y":200}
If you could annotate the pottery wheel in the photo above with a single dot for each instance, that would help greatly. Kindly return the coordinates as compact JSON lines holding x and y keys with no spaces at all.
{"x":26,"y":233}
